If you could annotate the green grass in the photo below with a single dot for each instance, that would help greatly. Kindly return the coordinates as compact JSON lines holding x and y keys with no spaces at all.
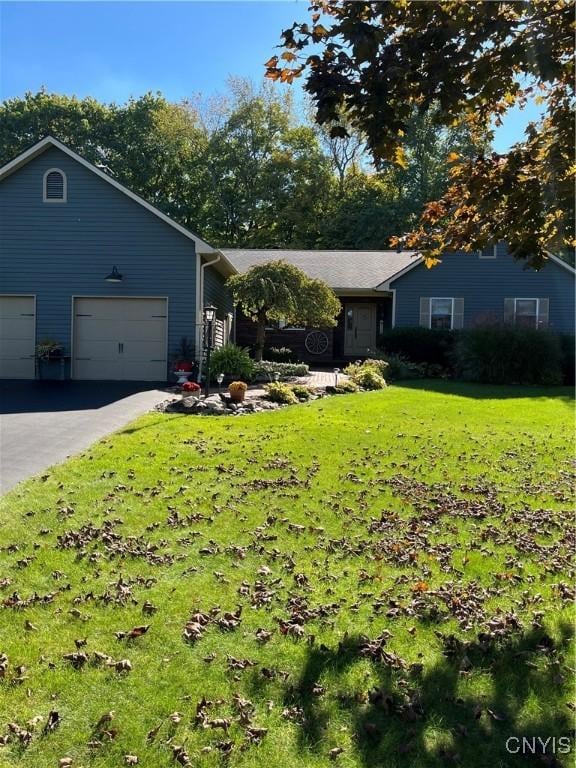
{"x":440,"y":513}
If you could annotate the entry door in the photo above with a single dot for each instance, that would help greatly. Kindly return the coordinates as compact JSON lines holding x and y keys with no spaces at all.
{"x":360,"y":329}
{"x":17,"y":337}
{"x":120,"y":339}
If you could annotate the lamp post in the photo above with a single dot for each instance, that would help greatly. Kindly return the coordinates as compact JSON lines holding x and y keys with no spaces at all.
{"x":209,"y":317}
{"x":220,"y":379}
{"x":336,"y":372}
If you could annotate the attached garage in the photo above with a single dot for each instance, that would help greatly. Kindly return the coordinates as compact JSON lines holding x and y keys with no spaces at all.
{"x":122,"y":339}
{"x":17,"y":337}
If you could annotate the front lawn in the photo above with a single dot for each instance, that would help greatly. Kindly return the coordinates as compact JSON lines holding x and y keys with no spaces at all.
{"x":371,"y":580}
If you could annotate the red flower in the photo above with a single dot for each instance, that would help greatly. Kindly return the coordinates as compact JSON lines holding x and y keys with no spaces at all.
{"x":190,"y":386}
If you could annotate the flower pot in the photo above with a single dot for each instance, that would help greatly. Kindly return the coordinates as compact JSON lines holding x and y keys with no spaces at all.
{"x":237,"y":396}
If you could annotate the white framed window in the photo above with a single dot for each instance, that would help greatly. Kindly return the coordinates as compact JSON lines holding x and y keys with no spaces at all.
{"x":282,"y":325}
{"x":54,"y":186}
{"x":527,"y":312}
{"x":490,"y":252}
{"x":441,"y":312}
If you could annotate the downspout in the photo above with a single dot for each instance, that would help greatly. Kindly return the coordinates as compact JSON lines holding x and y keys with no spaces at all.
{"x":199,"y":310}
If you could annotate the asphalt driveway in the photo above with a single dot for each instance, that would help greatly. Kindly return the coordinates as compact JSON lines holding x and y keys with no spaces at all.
{"x":44,"y":422}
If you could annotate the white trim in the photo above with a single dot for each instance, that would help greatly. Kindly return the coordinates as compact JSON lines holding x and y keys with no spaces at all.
{"x":200,"y":310}
{"x":63,"y":199}
{"x":560,"y":262}
{"x":100,"y":296}
{"x":492,"y":254}
{"x":531,"y":298}
{"x":385,"y":286}
{"x":441,"y":298}
{"x":393,"y":292}
{"x":50,"y":141}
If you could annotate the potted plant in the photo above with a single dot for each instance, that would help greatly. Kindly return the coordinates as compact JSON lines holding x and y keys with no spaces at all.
{"x":184,"y":355}
{"x":51,"y":362}
{"x":49,"y":350}
{"x":190,"y":388}
{"x":237,"y":390}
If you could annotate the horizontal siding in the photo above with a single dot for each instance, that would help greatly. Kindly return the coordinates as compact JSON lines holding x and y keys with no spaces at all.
{"x":216,"y":292}
{"x":64,"y":250}
{"x":484,"y":284}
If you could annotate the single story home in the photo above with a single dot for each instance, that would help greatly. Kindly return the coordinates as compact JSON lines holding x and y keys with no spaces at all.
{"x":87,"y":264}
{"x":387,"y":289}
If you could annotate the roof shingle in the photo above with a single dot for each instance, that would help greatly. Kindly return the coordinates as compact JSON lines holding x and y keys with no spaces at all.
{"x":353,"y":270}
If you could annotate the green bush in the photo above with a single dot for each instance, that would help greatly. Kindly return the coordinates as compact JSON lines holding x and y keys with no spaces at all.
{"x":420,"y":345}
{"x":301,"y":391}
{"x":501,"y":355}
{"x":399,"y":367}
{"x":280,"y":355}
{"x":280,"y":393}
{"x":234,"y":362}
{"x":367,"y":374}
{"x":267,"y":368}
{"x":344,"y":387}
{"x":568,"y":358}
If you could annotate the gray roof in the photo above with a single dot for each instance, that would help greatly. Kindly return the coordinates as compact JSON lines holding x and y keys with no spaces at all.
{"x":354,"y":270}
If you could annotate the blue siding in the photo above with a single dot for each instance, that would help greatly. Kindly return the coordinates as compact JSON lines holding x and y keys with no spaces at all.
{"x":484,"y":284}
{"x":60,"y":250}
{"x":216,"y":292}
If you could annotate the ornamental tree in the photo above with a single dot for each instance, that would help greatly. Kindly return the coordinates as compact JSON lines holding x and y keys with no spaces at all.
{"x":277,"y":290}
{"x":375,"y":62}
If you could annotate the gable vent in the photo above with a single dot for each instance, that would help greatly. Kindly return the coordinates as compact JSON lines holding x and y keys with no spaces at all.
{"x":54,"y":186}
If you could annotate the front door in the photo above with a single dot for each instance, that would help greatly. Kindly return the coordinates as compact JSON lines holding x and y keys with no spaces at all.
{"x":360,"y":329}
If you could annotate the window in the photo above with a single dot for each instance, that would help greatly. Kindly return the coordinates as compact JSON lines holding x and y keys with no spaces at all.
{"x":490,"y":252}
{"x":527,"y":313}
{"x":54,"y":186}
{"x":441,"y":313}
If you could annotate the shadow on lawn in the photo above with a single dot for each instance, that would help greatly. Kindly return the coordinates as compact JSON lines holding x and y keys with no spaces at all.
{"x":425,"y":722}
{"x":488,"y":391}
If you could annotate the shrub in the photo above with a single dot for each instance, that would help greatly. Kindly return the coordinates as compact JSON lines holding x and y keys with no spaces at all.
{"x":501,"y":355}
{"x":237,"y":387}
{"x":302,"y":391}
{"x":234,"y":362}
{"x":280,"y":393}
{"x":267,"y":368}
{"x":280,"y":355}
{"x":344,"y":387}
{"x":367,"y":374}
{"x":568,"y":362}
{"x":420,"y":345}
{"x":399,"y":367}
{"x":369,"y":378}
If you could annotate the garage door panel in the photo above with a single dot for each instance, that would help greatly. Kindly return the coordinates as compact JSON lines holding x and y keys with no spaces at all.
{"x":151,"y":330}
{"x":120,"y":339}
{"x":96,"y":329}
{"x":145,"y":309}
{"x":17,"y":337}
{"x":145,"y":350}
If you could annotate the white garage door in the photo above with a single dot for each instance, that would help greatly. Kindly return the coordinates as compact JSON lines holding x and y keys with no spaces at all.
{"x":120,"y":339}
{"x":17,"y":337}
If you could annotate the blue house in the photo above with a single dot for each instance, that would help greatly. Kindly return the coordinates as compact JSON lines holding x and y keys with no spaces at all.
{"x":89,"y":265}
{"x":386,"y":289}
{"x":86,"y":263}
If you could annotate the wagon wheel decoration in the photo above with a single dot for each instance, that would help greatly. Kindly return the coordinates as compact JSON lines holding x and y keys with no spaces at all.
{"x":316,"y":342}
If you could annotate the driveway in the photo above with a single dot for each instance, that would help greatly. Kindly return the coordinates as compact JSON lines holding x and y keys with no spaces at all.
{"x":44,"y":422}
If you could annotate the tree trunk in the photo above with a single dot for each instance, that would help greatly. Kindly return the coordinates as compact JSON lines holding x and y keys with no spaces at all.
{"x":260,"y":337}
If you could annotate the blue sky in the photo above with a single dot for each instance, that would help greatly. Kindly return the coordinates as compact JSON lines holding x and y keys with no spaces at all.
{"x":113,"y":50}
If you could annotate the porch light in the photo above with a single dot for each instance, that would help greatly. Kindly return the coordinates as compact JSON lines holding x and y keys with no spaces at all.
{"x":114,"y":276}
{"x":209,"y":314}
